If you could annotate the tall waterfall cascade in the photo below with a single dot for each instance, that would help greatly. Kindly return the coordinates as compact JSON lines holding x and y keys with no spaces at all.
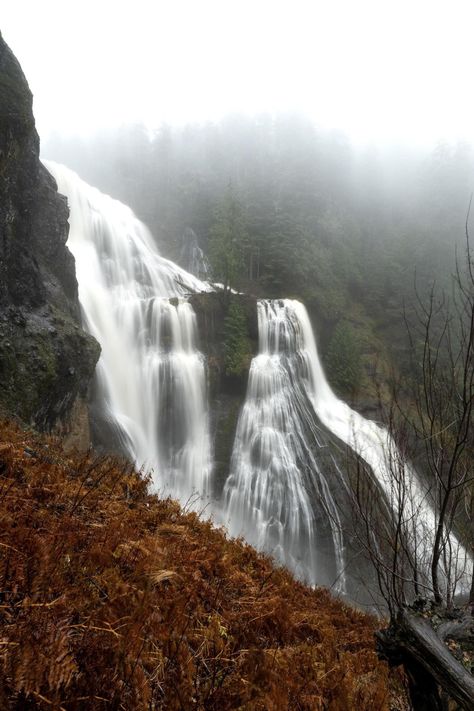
{"x":285,"y":483}
{"x":151,"y":377}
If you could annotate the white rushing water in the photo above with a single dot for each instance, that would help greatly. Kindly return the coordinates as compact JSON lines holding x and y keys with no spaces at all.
{"x":277,"y":494}
{"x":376,"y":447}
{"x":151,"y":376}
{"x":267,"y":488}
{"x":282,"y":490}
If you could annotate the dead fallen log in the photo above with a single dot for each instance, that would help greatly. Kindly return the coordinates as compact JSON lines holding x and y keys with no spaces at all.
{"x":412,"y":640}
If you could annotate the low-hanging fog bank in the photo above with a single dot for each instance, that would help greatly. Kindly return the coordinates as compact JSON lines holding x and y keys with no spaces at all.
{"x":341,"y":227}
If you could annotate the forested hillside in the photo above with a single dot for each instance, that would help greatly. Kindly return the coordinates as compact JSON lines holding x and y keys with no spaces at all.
{"x":297,"y":212}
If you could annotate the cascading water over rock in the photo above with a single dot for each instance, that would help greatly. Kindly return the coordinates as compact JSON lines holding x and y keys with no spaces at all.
{"x":278,"y":488}
{"x":283,"y":493}
{"x":151,"y":376}
{"x":376,"y":447}
{"x":278,"y":493}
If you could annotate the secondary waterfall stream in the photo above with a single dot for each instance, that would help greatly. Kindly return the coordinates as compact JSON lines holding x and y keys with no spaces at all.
{"x":285,"y":483}
{"x":395,"y":477}
{"x":278,"y":494}
{"x":277,"y":488}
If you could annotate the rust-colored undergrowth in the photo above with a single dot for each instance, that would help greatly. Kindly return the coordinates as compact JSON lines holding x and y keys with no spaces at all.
{"x":111,"y":598}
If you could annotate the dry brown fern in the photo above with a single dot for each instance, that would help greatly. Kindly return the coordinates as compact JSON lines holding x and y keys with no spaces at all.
{"x":113,"y":599}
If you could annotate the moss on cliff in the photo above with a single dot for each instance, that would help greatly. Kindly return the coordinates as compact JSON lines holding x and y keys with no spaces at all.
{"x":26,"y":374}
{"x":40,"y":372}
{"x":237,"y":344}
{"x":228,"y":331}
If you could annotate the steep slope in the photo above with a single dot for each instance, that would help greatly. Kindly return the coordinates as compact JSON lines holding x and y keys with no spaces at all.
{"x":136,"y":604}
{"x":46,"y":360}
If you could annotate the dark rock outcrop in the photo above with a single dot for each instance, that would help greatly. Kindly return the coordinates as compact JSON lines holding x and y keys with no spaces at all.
{"x":46,"y":359}
{"x":226,"y":391}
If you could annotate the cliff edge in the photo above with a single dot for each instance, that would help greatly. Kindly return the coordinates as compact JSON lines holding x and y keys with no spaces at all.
{"x":46,"y":359}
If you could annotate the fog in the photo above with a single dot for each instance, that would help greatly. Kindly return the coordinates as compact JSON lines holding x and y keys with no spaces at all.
{"x":382,"y":72}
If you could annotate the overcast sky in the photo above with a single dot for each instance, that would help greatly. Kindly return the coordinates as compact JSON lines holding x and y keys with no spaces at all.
{"x":379,"y":70}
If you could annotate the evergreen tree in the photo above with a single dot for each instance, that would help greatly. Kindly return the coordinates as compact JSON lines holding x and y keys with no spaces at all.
{"x":227,"y":241}
{"x":344,"y":360}
{"x":237,"y":351}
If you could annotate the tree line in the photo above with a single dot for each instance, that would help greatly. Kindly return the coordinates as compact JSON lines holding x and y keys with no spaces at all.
{"x":313,"y":217}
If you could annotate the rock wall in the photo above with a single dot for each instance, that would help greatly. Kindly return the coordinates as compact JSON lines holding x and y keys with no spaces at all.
{"x":46,"y":359}
{"x":226,"y":391}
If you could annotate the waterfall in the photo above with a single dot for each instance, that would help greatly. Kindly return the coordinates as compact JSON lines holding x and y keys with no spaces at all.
{"x":277,"y":484}
{"x":284,"y":488}
{"x":151,"y":377}
{"x":376,"y":447}
{"x":278,"y":494}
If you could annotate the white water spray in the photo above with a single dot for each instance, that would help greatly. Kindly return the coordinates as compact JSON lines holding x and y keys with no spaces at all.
{"x":150,"y":374}
{"x":152,"y":381}
{"x":376,"y":447}
{"x":276,"y":421}
{"x":278,"y":493}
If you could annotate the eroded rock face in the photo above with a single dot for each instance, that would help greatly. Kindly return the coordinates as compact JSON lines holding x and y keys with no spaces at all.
{"x":46,"y":359}
{"x":226,"y":391}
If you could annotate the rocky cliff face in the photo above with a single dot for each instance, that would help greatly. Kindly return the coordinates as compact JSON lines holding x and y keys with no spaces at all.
{"x":226,"y":389}
{"x":46,"y":359}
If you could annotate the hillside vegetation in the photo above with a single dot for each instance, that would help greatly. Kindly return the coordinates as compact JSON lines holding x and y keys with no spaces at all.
{"x":285,"y":209}
{"x":114,"y":599}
